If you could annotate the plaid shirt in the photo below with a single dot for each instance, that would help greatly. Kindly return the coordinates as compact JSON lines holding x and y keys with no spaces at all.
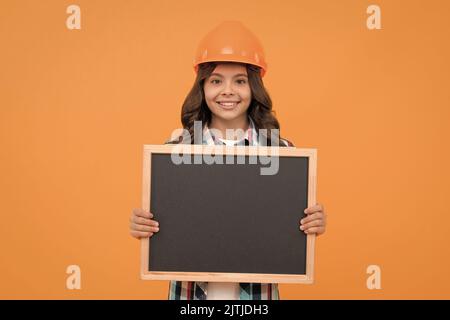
{"x":189,"y":290}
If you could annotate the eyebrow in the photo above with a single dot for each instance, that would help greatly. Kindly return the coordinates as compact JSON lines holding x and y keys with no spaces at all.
{"x":237,"y":75}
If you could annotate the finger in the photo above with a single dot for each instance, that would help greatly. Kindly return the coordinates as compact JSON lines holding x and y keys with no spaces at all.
{"x":315,"y":230}
{"x":315,"y":208}
{"x":139,"y":234}
{"x":145,"y":221}
{"x":315,"y":223}
{"x":312,"y":217}
{"x":141,"y":213}
{"x":143,"y":228}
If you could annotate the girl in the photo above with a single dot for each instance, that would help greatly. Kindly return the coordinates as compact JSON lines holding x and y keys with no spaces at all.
{"x":228,"y":93}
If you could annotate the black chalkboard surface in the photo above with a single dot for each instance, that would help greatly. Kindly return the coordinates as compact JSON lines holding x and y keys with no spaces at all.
{"x":226,"y":221}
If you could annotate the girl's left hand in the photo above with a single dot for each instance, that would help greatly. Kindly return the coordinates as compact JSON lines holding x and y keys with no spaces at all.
{"x":315,"y":221}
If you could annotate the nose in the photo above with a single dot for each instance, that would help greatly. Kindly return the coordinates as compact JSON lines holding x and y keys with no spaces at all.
{"x":227,"y":90}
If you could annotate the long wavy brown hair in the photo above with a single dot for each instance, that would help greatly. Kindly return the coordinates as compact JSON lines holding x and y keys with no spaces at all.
{"x":260,"y":110}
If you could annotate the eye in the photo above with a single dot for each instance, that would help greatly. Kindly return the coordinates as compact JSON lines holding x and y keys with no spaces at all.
{"x":213,"y":81}
{"x":241,"y":81}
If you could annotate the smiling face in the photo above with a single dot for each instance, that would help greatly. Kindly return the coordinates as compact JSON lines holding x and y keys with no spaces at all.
{"x":228,"y":94}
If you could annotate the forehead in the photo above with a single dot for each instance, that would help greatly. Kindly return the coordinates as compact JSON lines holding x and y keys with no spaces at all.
{"x":230,"y":68}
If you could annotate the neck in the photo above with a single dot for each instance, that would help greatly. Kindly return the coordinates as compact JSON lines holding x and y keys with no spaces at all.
{"x":234,"y":124}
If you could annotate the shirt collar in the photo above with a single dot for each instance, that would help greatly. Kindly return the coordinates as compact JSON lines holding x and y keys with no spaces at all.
{"x":250,"y":137}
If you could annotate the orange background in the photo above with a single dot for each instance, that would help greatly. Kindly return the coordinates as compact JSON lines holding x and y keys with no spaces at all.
{"x":76,"y":106}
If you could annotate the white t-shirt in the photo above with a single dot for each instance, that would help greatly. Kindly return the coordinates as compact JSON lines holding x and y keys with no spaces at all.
{"x":229,"y":142}
{"x":223,"y":291}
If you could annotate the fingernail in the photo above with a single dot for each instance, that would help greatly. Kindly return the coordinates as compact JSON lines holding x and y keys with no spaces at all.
{"x":157,"y":229}
{"x":305,"y":210}
{"x":306,"y":231}
{"x":157,"y":224}
{"x":301,"y":227}
{"x":302,"y":221}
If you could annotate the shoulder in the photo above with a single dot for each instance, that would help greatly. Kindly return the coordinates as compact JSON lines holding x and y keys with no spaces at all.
{"x":286,"y":143}
{"x":180,"y":139}
{"x":171,"y":141}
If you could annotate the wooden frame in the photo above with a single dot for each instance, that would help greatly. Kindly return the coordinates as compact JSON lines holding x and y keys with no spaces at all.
{"x":228,"y":277}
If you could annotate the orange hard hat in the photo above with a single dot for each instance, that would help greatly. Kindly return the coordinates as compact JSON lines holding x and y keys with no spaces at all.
{"x":231,"y":41}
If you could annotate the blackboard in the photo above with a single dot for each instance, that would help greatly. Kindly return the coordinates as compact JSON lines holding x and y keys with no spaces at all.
{"x":226,"y":221}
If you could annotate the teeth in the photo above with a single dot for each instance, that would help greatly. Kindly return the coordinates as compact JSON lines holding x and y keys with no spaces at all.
{"x":228,"y":104}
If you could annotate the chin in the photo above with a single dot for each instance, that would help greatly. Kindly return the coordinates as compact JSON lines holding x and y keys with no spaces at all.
{"x":230,"y":115}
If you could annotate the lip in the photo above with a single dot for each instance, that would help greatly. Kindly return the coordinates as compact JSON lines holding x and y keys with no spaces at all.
{"x":228,"y":107}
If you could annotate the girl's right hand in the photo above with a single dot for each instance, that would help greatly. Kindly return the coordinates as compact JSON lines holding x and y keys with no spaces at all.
{"x":142,"y":225}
